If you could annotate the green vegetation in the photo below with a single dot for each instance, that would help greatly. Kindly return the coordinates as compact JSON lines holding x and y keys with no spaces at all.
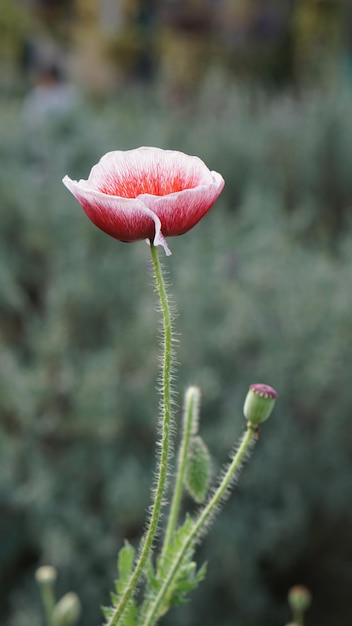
{"x":263,"y":292}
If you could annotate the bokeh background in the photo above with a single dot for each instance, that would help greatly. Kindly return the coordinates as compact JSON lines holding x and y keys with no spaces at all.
{"x":262,"y":92}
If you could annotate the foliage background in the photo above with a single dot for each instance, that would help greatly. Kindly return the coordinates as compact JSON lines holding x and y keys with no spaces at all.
{"x":263,"y":293}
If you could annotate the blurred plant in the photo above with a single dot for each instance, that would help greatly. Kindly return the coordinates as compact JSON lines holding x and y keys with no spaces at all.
{"x":299,"y":599}
{"x":66,"y":611}
{"x":15,"y":20}
{"x":77,"y":400}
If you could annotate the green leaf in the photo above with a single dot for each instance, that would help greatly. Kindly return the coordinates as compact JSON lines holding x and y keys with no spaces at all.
{"x":150,"y":575}
{"x":125,"y":563}
{"x":198,"y":469}
{"x":107,"y":611}
{"x":130,"y":614}
{"x":188,"y":580}
{"x":185,"y":580}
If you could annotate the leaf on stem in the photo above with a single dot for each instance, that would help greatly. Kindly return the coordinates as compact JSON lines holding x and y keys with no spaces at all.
{"x":198,"y":470}
{"x":125,"y":563}
{"x":185,"y":580}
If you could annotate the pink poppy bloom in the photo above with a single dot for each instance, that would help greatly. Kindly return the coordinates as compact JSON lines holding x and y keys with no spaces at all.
{"x":147,"y":193}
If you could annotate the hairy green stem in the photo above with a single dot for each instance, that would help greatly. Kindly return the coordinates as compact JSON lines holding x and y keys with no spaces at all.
{"x":147,"y":543}
{"x":203,"y":519}
{"x":191,"y":400}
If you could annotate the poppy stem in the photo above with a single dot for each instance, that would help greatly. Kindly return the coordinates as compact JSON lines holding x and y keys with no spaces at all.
{"x":162,"y":471}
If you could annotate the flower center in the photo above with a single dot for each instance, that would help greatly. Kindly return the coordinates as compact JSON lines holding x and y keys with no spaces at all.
{"x":156,"y":184}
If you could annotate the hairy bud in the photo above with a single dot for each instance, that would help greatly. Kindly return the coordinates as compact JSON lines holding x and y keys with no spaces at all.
{"x":259,"y":403}
{"x":192,"y":403}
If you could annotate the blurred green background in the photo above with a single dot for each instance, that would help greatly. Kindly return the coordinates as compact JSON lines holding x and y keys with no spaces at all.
{"x":262,"y":286}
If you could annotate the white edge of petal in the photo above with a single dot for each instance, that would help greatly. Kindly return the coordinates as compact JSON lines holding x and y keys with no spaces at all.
{"x":100,"y":168}
{"x":73,"y":186}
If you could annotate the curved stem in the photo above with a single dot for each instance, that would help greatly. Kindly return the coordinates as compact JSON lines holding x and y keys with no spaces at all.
{"x":147,"y":543}
{"x":204,"y":518}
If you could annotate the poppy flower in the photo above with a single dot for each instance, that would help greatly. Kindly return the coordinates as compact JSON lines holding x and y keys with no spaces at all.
{"x":147,"y":193}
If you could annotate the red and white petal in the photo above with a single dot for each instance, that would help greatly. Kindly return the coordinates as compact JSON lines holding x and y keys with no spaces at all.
{"x":181,"y":211}
{"x":122,"y":218}
{"x":147,"y":193}
{"x":147,"y":170}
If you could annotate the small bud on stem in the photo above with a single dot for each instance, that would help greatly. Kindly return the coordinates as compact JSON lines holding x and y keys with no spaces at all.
{"x":299,"y":598}
{"x":46,"y":575}
{"x":46,"y":578}
{"x":259,"y":404}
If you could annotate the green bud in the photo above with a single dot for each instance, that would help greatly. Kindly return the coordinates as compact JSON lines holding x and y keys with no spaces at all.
{"x":299,"y":598}
{"x":198,"y":468}
{"x":191,"y":411}
{"x":259,"y":403}
{"x":67,"y":611}
{"x":46,"y":575}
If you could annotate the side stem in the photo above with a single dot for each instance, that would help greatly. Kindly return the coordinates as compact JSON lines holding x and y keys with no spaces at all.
{"x":147,"y":543}
{"x":48,"y":598}
{"x":201,"y":522}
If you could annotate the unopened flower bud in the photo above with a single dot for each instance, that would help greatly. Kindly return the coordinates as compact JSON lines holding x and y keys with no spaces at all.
{"x":198,"y":470}
{"x":192,"y":403}
{"x":46,"y":575}
{"x":299,"y":598}
{"x":259,"y":403}
{"x":67,"y":611}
